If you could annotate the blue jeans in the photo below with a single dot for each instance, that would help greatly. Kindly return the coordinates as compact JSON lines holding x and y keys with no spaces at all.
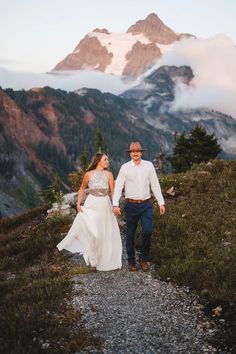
{"x":135,"y":212}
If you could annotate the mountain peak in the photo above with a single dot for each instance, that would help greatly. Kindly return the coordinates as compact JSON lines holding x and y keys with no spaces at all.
{"x":154,"y":29}
{"x":152,"y":17}
{"x":129,"y":54}
{"x":101,"y":30}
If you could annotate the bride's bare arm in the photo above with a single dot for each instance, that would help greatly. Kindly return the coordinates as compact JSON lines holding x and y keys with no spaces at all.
{"x":111,"y":183}
{"x":83,"y":186}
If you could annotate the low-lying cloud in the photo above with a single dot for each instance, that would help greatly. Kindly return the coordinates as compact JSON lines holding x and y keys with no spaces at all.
{"x":68,"y":80}
{"x":213,"y":62}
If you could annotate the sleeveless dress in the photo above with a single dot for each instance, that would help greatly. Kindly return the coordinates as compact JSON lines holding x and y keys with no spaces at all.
{"x":95,"y":232}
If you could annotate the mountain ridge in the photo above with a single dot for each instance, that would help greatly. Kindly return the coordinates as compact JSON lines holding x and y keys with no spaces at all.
{"x":44,"y":131}
{"x":129,"y":54}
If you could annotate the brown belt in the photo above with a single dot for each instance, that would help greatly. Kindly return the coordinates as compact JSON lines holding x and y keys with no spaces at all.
{"x":137,"y":200}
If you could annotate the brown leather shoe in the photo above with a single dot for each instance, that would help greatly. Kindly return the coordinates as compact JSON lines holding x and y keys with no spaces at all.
{"x":132,"y":266}
{"x":144,"y":265}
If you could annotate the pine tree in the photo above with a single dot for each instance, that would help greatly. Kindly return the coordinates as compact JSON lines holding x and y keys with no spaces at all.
{"x":198,"y":147}
{"x":204,"y":147}
{"x":53,"y":193}
{"x":75,"y":178}
{"x":84,"y":158}
{"x":99,"y":140}
{"x":181,"y":154}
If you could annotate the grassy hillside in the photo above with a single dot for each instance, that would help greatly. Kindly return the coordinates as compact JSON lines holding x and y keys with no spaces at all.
{"x":36,"y":286}
{"x":194,"y":244}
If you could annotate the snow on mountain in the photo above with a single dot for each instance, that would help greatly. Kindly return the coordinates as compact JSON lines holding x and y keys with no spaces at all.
{"x":119,"y":44}
{"x":129,"y":54}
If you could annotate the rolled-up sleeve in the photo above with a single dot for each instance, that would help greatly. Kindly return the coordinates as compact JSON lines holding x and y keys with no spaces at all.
{"x":155,"y":186}
{"x":119,"y":185}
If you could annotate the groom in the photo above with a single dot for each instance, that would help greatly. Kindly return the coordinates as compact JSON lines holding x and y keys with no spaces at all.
{"x":137,"y":176}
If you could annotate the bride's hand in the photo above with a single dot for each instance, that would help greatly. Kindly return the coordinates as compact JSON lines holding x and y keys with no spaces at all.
{"x":116,"y":210}
{"x":79,"y":209}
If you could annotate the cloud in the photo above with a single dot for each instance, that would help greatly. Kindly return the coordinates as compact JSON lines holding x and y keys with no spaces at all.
{"x":213,"y":62}
{"x":8,"y":61}
{"x":69,"y":80}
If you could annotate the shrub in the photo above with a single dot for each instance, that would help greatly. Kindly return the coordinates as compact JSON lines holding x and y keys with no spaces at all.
{"x":36,"y":289}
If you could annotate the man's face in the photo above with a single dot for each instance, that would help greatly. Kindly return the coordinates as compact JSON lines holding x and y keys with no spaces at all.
{"x":136,"y":155}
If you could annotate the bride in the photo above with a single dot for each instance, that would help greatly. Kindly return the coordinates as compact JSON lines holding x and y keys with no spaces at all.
{"x":95,"y":231}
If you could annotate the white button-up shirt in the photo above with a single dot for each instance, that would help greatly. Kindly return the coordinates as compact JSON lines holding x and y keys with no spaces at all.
{"x":137,"y":180}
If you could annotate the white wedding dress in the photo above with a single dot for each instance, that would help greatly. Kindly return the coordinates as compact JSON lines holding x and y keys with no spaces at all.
{"x":95,"y":232}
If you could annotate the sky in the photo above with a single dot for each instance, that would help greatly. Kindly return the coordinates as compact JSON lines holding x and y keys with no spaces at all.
{"x":36,"y":34}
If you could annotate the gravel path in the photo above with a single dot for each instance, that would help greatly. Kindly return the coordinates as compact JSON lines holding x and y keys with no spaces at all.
{"x":136,"y":313}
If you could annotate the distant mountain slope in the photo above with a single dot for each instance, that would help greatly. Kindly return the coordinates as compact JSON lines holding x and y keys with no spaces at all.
{"x":43,"y":131}
{"x":154,"y":97}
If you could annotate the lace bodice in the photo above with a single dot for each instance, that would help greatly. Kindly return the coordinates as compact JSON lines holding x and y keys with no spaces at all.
{"x":98,"y":184}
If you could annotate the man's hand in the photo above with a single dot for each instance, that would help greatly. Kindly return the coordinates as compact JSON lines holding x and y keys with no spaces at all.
{"x":116,"y":210}
{"x":79,"y":209}
{"x":162,"y":209}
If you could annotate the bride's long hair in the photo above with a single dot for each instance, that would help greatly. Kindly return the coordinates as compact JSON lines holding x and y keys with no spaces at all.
{"x":95,"y":161}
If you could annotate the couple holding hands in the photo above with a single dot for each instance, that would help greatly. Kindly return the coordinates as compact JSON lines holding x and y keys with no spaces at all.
{"x":95,"y":232}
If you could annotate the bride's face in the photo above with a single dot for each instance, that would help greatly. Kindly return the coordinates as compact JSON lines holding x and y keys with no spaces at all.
{"x":104,"y":162}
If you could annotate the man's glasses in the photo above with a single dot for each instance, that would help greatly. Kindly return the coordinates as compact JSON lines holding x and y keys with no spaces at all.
{"x":133,"y":151}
